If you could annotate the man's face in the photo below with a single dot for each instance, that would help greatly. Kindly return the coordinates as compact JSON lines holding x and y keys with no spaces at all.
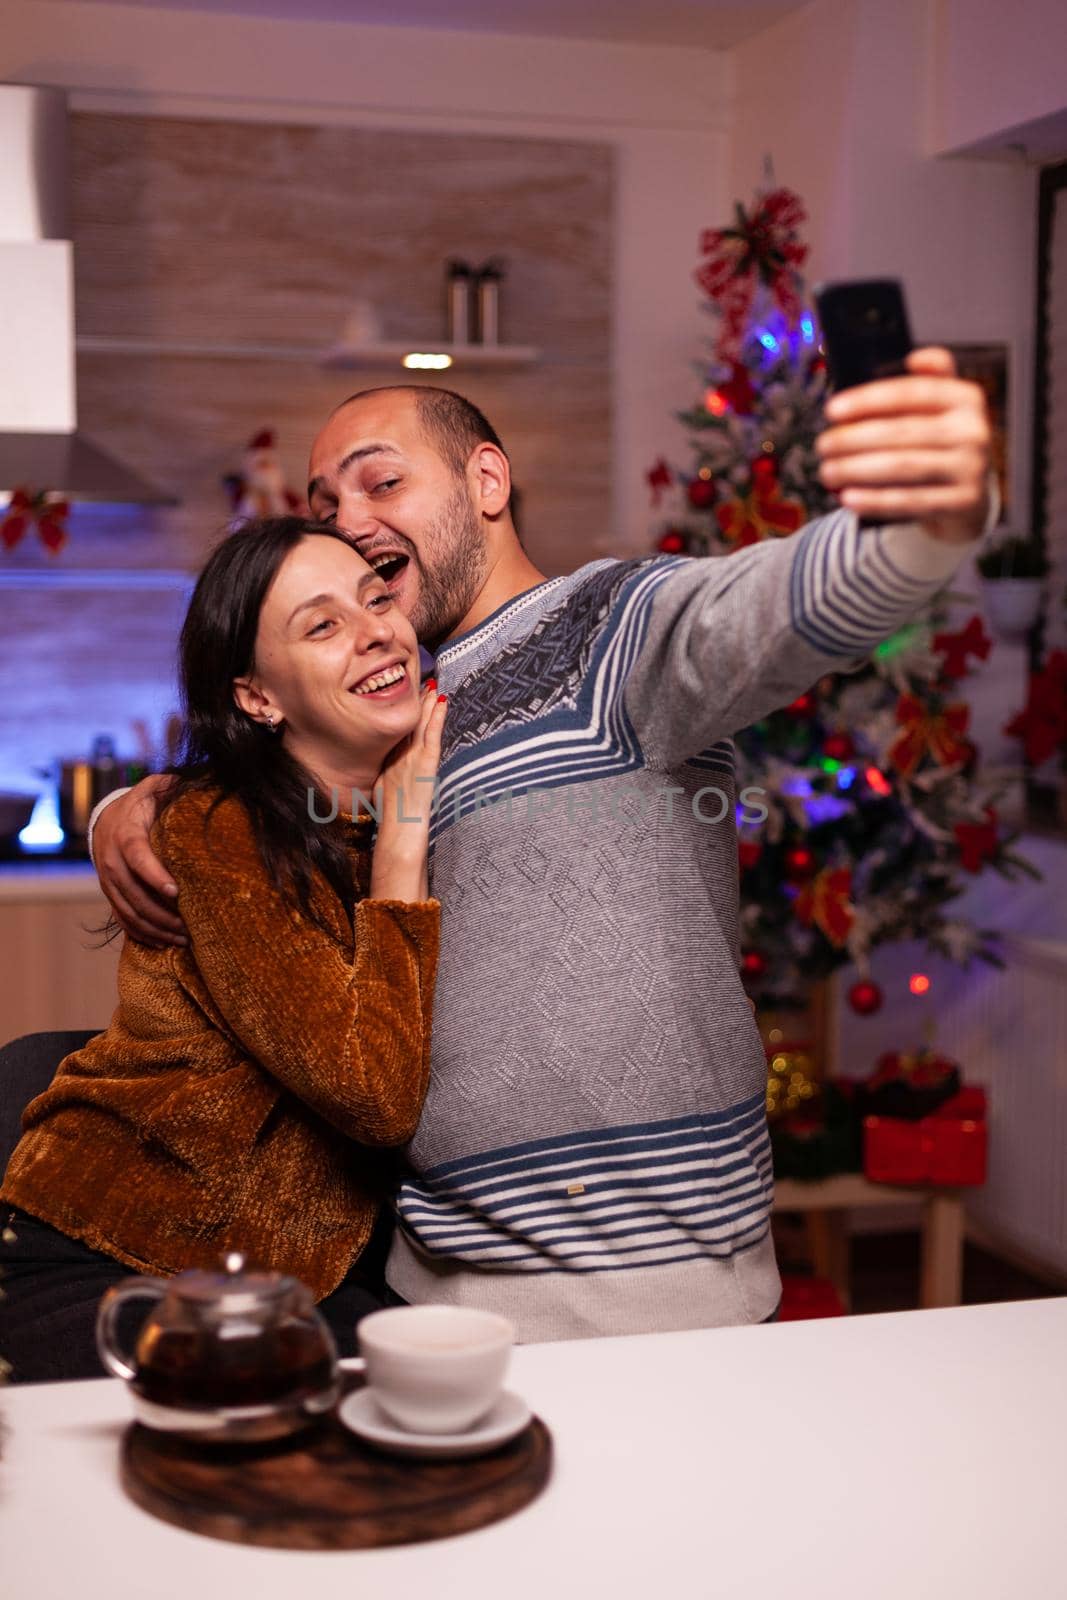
{"x":379,"y":477}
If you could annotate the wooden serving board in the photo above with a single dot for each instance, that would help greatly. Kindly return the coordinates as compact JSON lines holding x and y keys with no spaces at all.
{"x":326,"y":1489}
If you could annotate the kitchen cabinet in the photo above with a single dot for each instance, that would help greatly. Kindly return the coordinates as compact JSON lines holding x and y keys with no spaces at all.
{"x":55,"y":972}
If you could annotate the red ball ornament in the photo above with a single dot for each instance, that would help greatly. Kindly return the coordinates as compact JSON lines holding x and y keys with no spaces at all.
{"x":701,"y":492}
{"x":673,"y":543}
{"x":838,"y":747}
{"x":799,"y":862}
{"x":802,"y":706}
{"x":753,"y":964}
{"x":865,"y":997}
{"x":764,"y":472}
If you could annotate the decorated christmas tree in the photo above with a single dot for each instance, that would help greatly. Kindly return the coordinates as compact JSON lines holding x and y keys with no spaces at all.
{"x":878,"y":815}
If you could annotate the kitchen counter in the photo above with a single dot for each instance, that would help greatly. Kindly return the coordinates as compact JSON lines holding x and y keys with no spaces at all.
{"x":47,"y":878}
{"x":917,"y":1454}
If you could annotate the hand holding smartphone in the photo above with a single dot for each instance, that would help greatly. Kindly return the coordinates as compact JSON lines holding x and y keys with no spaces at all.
{"x":865,"y":330}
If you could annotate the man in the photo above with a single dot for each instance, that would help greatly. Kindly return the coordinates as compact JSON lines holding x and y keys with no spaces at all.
{"x":593,"y":1154}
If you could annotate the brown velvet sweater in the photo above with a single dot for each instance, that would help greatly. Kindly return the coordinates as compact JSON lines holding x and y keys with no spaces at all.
{"x":249,"y":1085}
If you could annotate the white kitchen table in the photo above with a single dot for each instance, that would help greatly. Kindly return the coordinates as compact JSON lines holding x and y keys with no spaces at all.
{"x":901,"y":1457}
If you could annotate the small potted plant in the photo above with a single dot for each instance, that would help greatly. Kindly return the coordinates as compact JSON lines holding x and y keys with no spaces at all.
{"x":1013,"y":575}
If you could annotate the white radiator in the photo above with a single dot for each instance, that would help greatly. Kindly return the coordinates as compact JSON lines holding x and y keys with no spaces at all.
{"x":1008,"y":1031}
{"x":1011,"y":1031}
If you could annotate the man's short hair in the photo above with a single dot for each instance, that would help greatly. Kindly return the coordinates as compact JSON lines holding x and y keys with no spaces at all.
{"x":453,"y":423}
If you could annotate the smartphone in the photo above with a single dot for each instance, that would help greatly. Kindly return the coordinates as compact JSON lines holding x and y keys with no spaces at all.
{"x":864,"y":329}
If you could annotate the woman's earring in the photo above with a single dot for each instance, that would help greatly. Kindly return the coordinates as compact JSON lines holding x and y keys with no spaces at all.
{"x":270,"y":720}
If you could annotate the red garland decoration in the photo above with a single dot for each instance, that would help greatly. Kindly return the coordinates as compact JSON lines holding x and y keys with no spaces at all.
{"x":1042,"y":724}
{"x":27,"y":507}
{"x":762,"y":248}
{"x":972,"y":640}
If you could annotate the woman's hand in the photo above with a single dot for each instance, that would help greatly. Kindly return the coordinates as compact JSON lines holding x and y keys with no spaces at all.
{"x":404,"y":797}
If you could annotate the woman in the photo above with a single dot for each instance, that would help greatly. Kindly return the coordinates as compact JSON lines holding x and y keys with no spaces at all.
{"x":250,"y":1084}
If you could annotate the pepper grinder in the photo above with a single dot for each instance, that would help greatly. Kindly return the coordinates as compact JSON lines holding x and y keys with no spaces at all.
{"x":459,"y":302}
{"x":487,"y":293}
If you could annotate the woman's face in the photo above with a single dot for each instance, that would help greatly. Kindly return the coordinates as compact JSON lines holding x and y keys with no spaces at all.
{"x":337,"y":662}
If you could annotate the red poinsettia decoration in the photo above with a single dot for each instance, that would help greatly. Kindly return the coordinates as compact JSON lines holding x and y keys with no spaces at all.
{"x":762,"y":248}
{"x":659,"y":478}
{"x":923,"y":729}
{"x":1042,"y":724}
{"x":827,"y":902}
{"x":972,"y":640}
{"x":739,"y":391}
{"x":27,"y":507}
{"x":977,"y":841}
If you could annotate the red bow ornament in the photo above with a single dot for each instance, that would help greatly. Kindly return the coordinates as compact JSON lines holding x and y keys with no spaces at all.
{"x":827,"y":902}
{"x":763,"y":514}
{"x":956,"y":647}
{"x":26,"y":508}
{"x":762,"y":248}
{"x":940,"y":733}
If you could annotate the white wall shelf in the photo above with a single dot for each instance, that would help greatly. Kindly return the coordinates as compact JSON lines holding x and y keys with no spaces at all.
{"x":465,"y":357}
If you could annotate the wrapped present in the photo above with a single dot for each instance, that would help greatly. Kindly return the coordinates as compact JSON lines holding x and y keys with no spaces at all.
{"x":948,"y":1148}
{"x":910,"y":1084}
{"x":804,"y":1298}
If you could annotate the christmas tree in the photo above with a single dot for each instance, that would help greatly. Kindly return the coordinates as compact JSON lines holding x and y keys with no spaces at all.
{"x":878,"y":815}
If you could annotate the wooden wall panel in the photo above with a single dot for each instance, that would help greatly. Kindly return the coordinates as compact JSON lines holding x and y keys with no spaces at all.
{"x":263,"y":234}
{"x":247,"y":233}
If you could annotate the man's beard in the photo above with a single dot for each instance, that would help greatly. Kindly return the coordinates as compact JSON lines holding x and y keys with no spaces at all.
{"x":452,"y":571}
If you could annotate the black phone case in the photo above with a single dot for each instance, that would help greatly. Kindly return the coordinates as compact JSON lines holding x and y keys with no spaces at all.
{"x":865,"y":330}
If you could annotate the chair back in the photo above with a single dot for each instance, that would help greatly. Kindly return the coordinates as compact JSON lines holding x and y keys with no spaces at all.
{"x":27,"y":1067}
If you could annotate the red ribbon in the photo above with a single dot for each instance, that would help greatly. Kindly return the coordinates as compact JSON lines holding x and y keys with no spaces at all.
{"x":828,"y":903}
{"x":762,"y":248}
{"x":27,"y":507}
{"x":763,"y":514}
{"x":940,"y":733}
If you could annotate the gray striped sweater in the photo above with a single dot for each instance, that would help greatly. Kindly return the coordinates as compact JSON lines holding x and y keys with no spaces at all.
{"x":593,"y":1155}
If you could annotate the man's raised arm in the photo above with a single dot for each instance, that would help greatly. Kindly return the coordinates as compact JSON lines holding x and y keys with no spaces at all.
{"x":730,"y":640}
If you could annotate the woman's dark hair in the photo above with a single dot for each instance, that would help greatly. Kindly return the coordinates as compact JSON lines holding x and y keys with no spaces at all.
{"x":222,"y":747}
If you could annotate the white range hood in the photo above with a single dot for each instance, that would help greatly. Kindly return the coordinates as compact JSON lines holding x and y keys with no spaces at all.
{"x":40,"y":446}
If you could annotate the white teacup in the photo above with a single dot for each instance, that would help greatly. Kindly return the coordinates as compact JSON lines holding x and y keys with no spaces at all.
{"x":435,"y":1369}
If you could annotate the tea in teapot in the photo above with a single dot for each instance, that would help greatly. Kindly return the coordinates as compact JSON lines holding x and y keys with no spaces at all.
{"x":234,"y":1355}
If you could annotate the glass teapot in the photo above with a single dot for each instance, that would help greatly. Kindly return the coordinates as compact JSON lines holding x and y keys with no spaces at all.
{"x":238,"y":1354}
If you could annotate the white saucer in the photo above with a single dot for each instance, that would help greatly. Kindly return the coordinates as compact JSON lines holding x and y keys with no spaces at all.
{"x":362,"y":1413}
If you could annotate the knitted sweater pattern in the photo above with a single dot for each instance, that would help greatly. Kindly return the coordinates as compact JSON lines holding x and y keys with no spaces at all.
{"x":593,"y":1155}
{"x":249,"y":1087}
